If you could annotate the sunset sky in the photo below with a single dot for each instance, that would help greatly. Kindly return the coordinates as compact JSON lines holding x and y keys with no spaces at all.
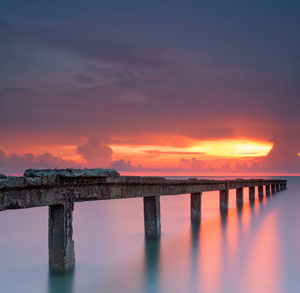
{"x":151,"y":87}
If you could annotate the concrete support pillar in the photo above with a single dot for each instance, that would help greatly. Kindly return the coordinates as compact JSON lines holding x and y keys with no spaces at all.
{"x":152,"y":216}
{"x":251,"y":193}
{"x":61,"y":244}
{"x":239,"y":196}
{"x":224,"y":197}
{"x":268,"y":190}
{"x":260,"y":192}
{"x":196,"y":205}
{"x":277,"y":187}
{"x":273,"y":188}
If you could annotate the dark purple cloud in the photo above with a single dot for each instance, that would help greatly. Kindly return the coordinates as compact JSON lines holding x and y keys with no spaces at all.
{"x":135,"y":55}
{"x":16,"y":164}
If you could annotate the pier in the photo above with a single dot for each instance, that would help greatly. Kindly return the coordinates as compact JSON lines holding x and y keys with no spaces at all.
{"x":60,"y":189}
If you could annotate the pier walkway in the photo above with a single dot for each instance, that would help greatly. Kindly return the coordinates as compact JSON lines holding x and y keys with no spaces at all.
{"x":60,"y":189}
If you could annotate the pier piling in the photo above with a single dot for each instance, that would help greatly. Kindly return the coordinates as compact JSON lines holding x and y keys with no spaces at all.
{"x":61,"y":244}
{"x":251,"y":193}
{"x":239,"y":196}
{"x":260,"y":191}
{"x":196,"y":205}
{"x":268,"y":190}
{"x":224,"y":197}
{"x":273,"y":189}
{"x":152,"y":216}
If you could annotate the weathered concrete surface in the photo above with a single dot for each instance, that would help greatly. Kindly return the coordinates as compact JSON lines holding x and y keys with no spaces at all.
{"x":152,"y":216}
{"x":72,"y":173}
{"x":196,"y":205}
{"x":60,"y":242}
{"x":47,"y":187}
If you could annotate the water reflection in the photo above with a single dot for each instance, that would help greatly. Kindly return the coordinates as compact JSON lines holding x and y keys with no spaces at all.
{"x":194,"y":255}
{"x":219,"y":250}
{"x":263,"y":258}
{"x":239,"y":208}
{"x":195,"y":232}
{"x":152,"y":265}
{"x":60,"y":282}
{"x":224,"y":218}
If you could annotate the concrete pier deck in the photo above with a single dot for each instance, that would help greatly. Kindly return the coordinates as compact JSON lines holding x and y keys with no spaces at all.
{"x":60,"y":189}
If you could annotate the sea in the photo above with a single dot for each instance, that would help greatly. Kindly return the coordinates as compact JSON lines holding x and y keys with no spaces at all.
{"x":255,"y":248}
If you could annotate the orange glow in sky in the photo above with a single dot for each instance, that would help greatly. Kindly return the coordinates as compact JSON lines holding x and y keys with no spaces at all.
{"x":234,"y":148}
{"x":182,"y":153}
{"x":66,"y":152}
{"x":204,"y":150}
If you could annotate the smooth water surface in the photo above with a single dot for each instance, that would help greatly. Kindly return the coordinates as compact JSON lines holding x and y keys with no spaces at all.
{"x":252,"y":249}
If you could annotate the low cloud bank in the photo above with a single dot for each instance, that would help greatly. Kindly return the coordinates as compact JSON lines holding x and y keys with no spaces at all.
{"x":15,"y":164}
{"x":283,"y":158}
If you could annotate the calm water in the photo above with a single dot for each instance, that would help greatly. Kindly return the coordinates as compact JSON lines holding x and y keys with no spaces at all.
{"x":254,"y":249}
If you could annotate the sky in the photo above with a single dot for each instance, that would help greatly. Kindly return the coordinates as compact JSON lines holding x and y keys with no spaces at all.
{"x":151,"y":87}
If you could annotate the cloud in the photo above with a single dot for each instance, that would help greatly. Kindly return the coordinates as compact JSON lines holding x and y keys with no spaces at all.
{"x":135,"y":54}
{"x":123,"y":165}
{"x":156,"y":152}
{"x":194,"y":166}
{"x":284,"y":155}
{"x":17,"y":164}
{"x":83,"y":78}
{"x":72,"y":85}
{"x":96,"y":152}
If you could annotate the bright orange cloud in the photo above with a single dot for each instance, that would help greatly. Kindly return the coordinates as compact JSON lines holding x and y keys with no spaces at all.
{"x":208,"y":150}
{"x":234,"y":148}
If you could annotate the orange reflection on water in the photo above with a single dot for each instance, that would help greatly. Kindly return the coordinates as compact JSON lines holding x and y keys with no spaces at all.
{"x":210,"y":256}
{"x":237,"y":250}
{"x":220,"y":247}
{"x":262,"y":265}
